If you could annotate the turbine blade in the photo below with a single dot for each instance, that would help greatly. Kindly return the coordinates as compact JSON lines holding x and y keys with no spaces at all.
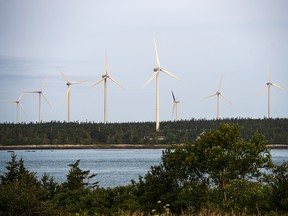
{"x":22,"y":108}
{"x":32,"y":92}
{"x":151,"y":78}
{"x":174,"y":105}
{"x":64,"y":76}
{"x":44,"y":84}
{"x":220,"y":85}
{"x":225,"y":98}
{"x":264,"y":89}
{"x":98,"y":82}
{"x":12,"y":101}
{"x":277,"y":86}
{"x":46,"y":100}
{"x":211,"y":96}
{"x":157,"y":56}
{"x":113,"y":80}
{"x":269,"y":74}
{"x":173,"y":96}
{"x":78,"y":82}
{"x":106,"y":65}
{"x":20,"y":97}
{"x":165,"y":71}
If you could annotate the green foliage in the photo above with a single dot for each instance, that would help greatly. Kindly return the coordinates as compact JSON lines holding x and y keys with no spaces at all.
{"x":221,"y":173}
{"x":279,"y":184}
{"x":22,"y":194}
{"x":76,"y":178}
{"x":172,"y":132}
{"x":220,"y":168}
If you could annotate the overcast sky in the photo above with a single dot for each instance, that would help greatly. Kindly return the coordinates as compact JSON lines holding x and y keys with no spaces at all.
{"x":198,"y":41}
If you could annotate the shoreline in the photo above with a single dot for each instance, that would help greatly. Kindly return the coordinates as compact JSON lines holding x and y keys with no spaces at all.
{"x":81,"y":146}
{"x":105,"y":146}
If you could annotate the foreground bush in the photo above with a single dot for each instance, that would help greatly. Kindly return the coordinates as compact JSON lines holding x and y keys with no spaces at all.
{"x":220,"y":174}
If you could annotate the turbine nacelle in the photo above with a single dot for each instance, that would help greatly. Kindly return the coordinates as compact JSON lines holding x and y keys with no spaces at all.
{"x":156,"y":69}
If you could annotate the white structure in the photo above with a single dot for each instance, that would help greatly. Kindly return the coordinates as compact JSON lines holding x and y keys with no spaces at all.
{"x":40,"y":94}
{"x":68,"y":83}
{"x":218,"y":94}
{"x":175,"y":106}
{"x":269,"y":84}
{"x":17,"y":106}
{"x":156,"y":75}
{"x":104,"y":79}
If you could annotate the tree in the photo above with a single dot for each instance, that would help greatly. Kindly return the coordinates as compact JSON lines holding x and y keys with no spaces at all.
{"x":21,"y":193}
{"x":279,"y":184}
{"x":76,"y":178}
{"x":191,"y":176}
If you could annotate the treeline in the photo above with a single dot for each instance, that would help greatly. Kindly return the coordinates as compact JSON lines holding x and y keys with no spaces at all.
{"x":221,"y":174}
{"x":184,"y":131}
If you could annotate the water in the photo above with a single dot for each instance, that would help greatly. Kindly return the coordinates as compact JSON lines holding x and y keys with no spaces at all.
{"x":114,"y":167}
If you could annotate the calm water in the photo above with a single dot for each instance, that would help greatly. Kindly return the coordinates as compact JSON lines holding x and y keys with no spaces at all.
{"x":113,"y":167}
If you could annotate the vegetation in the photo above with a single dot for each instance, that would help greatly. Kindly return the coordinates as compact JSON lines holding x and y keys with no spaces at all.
{"x":221,"y":173}
{"x":185,"y":131}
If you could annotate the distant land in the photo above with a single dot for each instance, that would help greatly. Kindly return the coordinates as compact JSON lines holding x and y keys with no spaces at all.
{"x":62,"y":135}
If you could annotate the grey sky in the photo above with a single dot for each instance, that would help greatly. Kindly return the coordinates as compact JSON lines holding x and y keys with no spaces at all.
{"x":199,"y":41}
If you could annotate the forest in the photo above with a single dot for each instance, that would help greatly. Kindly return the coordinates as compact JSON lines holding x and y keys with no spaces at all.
{"x":171,"y":132}
{"x":220,"y":174}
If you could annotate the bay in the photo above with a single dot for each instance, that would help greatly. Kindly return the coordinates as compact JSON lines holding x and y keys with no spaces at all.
{"x":114,"y":167}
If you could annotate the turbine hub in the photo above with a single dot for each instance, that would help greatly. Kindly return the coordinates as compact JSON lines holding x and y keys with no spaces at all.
{"x":156,"y":69}
{"x":268,"y":83}
{"x":104,"y":76}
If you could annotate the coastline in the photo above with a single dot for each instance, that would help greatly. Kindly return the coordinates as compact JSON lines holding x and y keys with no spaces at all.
{"x":81,"y":146}
{"x":105,"y":146}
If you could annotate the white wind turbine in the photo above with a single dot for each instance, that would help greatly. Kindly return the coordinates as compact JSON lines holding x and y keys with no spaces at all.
{"x":156,"y":74}
{"x":218,"y":94}
{"x":175,"y":106}
{"x":269,"y":84}
{"x":69,"y":83}
{"x":41,"y":94}
{"x":18,"y":103}
{"x":104,"y":79}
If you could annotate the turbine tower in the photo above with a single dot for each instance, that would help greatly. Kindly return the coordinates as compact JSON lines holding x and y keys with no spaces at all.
{"x":104,"y":79}
{"x":156,"y":75}
{"x":219,"y":94}
{"x":18,"y":103}
{"x":69,"y":83}
{"x":41,"y":94}
{"x":175,"y":106}
{"x":269,"y":84}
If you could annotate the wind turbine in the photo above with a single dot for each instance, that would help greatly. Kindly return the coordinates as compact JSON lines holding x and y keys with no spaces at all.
{"x":41,"y":94}
{"x":104,"y":79}
{"x":218,"y":94}
{"x":269,"y":84}
{"x":156,"y":75}
{"x":175,"y":106}
{"x":69,"y":83}
{"x":18,"y":103}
